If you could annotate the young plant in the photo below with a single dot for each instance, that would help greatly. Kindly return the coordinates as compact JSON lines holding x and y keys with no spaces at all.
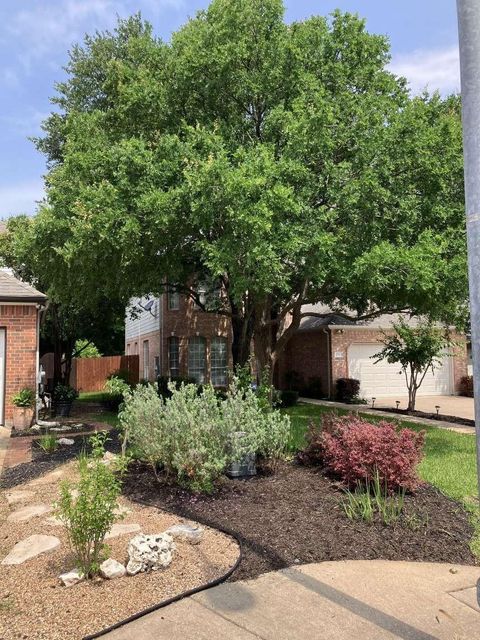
{"x":371,"y":497}
{"x":417,"y":350}
{"x":24,"y":398}
{"x":48,"y":443}
{"x":89,"y":516}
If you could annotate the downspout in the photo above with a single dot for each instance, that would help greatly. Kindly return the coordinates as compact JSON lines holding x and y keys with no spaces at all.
{"x":329,"y":362}
{"x":40,"y":308}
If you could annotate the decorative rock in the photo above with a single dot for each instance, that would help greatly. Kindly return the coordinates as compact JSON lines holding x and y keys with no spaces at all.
{"x":149,"y":553}
{"x":66,"y":441}
{"x":71,"y":578}
{"x":30,"y":548}
{"x":109,"y":458}
{"x":27,"y":513}
{"x":36,"y":427}
{"x":122,"y":529}
{"x":111,"y":569}
{"x":18,"y":496}
{"x":49,"y":478}
{"x":185,"y":532}
{"x":55,"y":522}
{"x":47,"y":423}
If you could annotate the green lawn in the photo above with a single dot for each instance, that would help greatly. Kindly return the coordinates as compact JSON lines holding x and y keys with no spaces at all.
{"x":449,"y":461}
{"x":91,"y":396}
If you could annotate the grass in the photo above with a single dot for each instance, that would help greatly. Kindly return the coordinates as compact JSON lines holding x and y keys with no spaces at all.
{"x":92,"y":396}
{"x":449,"y":462}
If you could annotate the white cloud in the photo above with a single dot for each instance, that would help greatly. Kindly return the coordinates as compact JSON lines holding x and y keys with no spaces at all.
{"x":20,"y":198}
{"x":432,"y":69}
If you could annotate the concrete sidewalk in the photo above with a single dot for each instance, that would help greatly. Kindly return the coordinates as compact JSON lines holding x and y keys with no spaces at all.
{"x":363,"y":408}
{"x":361,"y":600}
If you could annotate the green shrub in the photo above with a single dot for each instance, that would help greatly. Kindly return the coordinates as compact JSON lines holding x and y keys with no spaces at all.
{"x":288,"y":398}
{"x":48,"y":443}
{"x":64,"y":393}
{"x":115,"y":388}
{"x":466,"y":386}
{"x":24,"y":398}
{"x":163,"y":383}
{"x":89,"y":516}
{"x":314,"y":388}
{"x":190,"y":435}
{"x":347,"y":389}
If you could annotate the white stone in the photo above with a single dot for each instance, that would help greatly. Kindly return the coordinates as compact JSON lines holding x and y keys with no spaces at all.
{"x":109,"y":458}
{"x":27,"y":513}
{"x":149,"y":553}
{"x":49,"y":478}
{"x":30,"y":548}
{"x":36,"y":427}
{"x":71,"y":578}
{"x":18,"y":496}
{"x":54,"y":521}
{"x":46,"y":423}
{"x":122,"y":529}
{"x":111,"y":569}
{"x":185,"y":532}
{"x":66,"y":441}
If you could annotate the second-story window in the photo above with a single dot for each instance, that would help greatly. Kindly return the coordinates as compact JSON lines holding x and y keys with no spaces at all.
{"x":174,"y":357}
{"x":173,"y":301}
{"x":197,"y":359}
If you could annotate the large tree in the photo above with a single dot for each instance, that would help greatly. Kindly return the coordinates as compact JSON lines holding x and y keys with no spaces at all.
{"x":283,"y":161}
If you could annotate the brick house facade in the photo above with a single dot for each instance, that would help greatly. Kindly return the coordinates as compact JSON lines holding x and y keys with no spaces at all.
{"x":173,"y":337}
{"x":20,"y":306}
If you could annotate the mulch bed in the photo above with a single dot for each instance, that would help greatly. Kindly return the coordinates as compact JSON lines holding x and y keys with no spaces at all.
{"x":423,"y":414}
{"x":296,"y":516}
{"x":43,"y":462}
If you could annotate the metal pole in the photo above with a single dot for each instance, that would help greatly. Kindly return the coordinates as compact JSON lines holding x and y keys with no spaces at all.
{"x":469,"y":35}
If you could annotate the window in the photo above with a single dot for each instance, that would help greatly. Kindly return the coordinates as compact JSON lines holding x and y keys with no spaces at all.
{"x":173,"y":300}
{"x":128,"y":349}
{"x":174,"y":357}
{"x":218,"y":358}
{"x":135,"y":348}
{"x":156,"y":366}
{"x":197,"y":359}
{"x":146,"y":360}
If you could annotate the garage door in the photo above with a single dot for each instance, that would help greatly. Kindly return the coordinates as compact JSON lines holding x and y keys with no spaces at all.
{"x":384,"y":379}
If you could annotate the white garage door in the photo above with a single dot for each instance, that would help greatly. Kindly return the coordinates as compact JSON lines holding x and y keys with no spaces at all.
{"x":383,"y":379}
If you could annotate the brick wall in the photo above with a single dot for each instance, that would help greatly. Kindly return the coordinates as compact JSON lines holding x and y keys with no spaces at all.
{"x":306,"y":354}
{"x":184,"y":323}
{"x":20,"y":324}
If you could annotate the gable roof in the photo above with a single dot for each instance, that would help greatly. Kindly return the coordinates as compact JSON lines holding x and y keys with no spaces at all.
{"x":14,"y":290}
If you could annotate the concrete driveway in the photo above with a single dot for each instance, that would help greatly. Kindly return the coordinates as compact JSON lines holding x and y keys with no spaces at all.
{"x":449,"y":405}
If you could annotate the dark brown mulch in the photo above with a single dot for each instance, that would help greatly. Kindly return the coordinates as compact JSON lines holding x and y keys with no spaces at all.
{"x":43,"y":462}
{"x":424,"y":414}
{"x":296,"y":516}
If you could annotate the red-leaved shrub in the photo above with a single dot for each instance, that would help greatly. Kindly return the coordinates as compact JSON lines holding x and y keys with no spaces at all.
{"x":353,"y":449}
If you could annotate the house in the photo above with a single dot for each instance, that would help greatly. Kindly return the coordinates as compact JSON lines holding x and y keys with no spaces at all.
{"x":20,"y":307}
{"x":173,"y":337}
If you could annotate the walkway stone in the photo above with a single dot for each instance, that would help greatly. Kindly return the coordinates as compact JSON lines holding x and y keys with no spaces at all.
{"x":27,"y":513}
{"x":122,"y":529}
{"x":30,"y":548}
{"x":49,"y":478}
{"x":54,"y":522}
{"x":365,"y":600}
{"x":16,"y":496}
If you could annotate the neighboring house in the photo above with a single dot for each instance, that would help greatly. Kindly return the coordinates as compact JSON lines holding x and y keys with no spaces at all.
{"x":173,"y":337}
{"x":326,"y":347}
{"x":329,"y":346}
{"x":20,"y":306}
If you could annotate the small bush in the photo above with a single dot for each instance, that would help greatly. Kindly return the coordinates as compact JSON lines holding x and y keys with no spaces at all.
{"x":115,"y":388}
{"x":466,"y":386}
{"x":24,"y":398}
{"x":314,"y":388}
{"x":288,"y":398}
{"x":64,"y":393}
{"x":163,"y":383}
{"x":355,"y":450}
{"x":89,"y":516}
{"x":124,"y":374}
{"x":347,"y":389}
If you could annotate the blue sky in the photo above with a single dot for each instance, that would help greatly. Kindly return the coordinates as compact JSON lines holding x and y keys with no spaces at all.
{"x":35,"y":36}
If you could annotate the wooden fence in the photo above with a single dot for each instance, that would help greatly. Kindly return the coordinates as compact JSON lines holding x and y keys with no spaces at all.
{"x":90,"y":374}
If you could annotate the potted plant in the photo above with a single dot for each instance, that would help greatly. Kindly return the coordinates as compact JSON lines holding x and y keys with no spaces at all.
{"x":63,"y":397}
{"x":23,"y":404}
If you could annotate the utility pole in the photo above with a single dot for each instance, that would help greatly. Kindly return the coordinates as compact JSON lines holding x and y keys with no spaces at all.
{"x":469,"y":36}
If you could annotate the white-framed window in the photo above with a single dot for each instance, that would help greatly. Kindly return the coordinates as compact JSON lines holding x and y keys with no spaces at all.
{"x":174,"y":357}
{"x":173,"y":300}
{"x":156,"y":366}
{"x":146,"y":360}
{"x":218,"y":362}
{"x":197,"y":359}
{"x":135,"y":348}
{"x":128,"y":349}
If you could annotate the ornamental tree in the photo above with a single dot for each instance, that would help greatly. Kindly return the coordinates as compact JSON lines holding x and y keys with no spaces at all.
{"x":282,"y":161}
{"x":417,"y":349}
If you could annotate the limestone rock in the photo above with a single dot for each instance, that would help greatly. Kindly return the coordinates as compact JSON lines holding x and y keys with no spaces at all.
{"x":30,"y":548}
{"x":149,"y":553}
{"x":71,"y":578}
{"x":111,"y":569}
{"x":122,"y":529}
{"x":54,"y":521}
{"x":27,"y":513}
{"x":18,"y":496}
{"x":185,"y":532}
{"x":66,"y":441}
